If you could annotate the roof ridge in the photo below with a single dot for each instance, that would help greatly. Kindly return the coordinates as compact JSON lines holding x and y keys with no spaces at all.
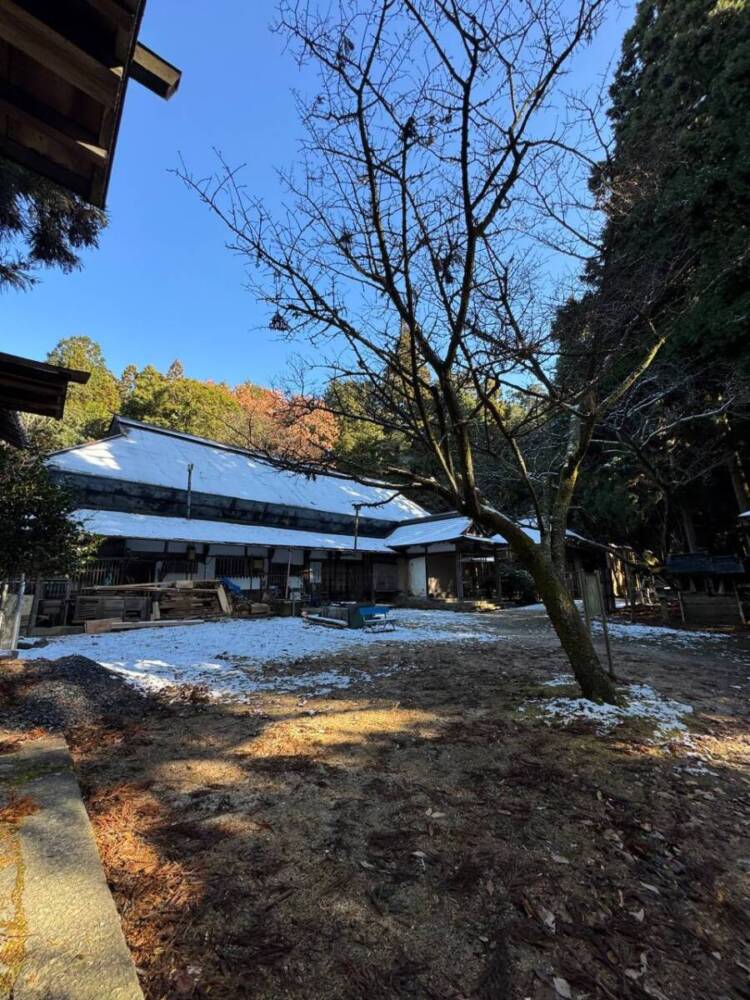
{"x":196,"y":438}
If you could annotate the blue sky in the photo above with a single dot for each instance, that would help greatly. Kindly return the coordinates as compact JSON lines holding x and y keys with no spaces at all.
{"x":161,"y":285}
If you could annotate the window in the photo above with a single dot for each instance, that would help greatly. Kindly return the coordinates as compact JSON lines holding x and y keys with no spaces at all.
{"x":239,"y":566}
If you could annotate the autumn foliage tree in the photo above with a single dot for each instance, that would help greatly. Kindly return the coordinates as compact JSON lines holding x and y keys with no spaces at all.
{"x":278,"y":424}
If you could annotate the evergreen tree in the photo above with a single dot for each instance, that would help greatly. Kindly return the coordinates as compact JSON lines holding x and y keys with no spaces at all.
{"x":89,"y":408}
{"x":38,"y":537}
{"x":206,"y":409}
{"x":676,"y":189}
{"x":41,"y":225}
{"x":676,"y":195}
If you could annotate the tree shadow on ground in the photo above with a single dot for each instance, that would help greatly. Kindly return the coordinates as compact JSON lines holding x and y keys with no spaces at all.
{"x":417,"y":839}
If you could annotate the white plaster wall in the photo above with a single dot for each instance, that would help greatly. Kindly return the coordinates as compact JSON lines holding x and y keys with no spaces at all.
{"x":418,"y":576}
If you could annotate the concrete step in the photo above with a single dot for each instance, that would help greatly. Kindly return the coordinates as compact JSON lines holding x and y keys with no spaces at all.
{"x":60,"y":934}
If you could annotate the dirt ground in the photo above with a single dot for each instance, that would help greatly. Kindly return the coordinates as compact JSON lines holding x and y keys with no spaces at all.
{"x":419,"y":837}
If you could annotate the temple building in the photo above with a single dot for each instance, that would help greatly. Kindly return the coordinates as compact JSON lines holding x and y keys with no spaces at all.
{"x":169,"y":506}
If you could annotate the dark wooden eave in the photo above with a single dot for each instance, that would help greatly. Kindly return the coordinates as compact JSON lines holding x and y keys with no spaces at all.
{"x":64,"y":67}
{"x":32,"y":387}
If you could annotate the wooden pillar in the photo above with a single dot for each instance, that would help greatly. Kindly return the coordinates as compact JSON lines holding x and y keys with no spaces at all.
{"x":288,"y":572}
{"x":306,"y":581}
{"x":739,"y":482}
{"x":38,"y":585}
{"x":459,"y":575}
{"x":688,"y":528}
{"x":498,"y":577}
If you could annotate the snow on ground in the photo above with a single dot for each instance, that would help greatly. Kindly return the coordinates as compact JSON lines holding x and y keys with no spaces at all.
{"x":682,"y":637}
{"x":639,"y":701}
{"x":230,"y":657}
{"x":624,"y":630}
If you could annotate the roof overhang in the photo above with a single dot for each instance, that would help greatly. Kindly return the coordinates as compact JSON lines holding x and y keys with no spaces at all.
{"x":64,"y":68}
{"x":153,"y":527}
{"x":35,"y":386}
{"x":31,"y":387}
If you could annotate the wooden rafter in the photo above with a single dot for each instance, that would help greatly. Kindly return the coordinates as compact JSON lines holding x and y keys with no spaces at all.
{"x":36,"y":39}
{"x":64,"y":67}
{"x":153,"y":72}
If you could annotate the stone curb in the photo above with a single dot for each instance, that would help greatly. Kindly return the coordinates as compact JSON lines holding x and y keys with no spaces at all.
{"x":60,"y":933}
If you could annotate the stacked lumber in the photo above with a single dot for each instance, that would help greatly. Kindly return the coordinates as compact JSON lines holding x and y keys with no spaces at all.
{"x":119,"y":606}
{"x":124,"y":607}
{"x":194,"y":602}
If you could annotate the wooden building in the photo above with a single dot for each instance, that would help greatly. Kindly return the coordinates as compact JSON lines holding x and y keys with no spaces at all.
{"x":169,"y":506}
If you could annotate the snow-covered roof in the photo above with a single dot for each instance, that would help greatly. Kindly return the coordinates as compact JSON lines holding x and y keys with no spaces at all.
{"x":158,"y":457}
{"x":426,"y":532}
{"x":745,"y":513}
{"x":121,"y":524}
{"x":532,"y":533}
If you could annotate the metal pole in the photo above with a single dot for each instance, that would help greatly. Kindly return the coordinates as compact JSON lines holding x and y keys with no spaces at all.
{"x":189,"y":489}
{"x":357,"y":507}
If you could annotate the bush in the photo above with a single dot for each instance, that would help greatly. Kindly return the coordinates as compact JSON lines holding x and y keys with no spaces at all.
{"x":518,"y":585}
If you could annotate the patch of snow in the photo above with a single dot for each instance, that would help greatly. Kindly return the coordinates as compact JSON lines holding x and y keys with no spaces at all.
{"x":445,"y":530}
{"x":682,"y":637}
{"x":231,"y":657}
{"x":641,"y":702}
{"x":560,"y":681}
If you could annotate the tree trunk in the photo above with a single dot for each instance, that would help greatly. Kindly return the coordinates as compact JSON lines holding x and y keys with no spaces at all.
{"x":571,"y":631}
{"x":566,"y":620}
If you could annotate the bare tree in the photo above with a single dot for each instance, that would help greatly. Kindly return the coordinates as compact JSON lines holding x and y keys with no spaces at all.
{"x":441,"y":181}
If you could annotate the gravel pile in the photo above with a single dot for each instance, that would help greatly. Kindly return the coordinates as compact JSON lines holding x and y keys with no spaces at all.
{"x":71,"y":691}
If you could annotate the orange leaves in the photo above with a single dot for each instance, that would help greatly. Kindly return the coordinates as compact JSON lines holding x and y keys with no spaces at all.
{"x":295,"y":426}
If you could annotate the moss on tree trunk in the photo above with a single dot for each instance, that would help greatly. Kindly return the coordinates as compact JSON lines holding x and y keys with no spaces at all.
{"x":570,"y":628}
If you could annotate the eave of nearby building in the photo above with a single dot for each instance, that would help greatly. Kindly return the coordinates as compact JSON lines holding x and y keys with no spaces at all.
{"x":30,"y":386}
{"x":35,"y":386}
{"x":429,"y":531}
{"x":64,"y":68}
{"x":119,"y":524}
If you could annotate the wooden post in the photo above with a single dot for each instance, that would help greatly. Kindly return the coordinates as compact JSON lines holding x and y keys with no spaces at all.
{"x":66,"y":602}
{"x":739,"y":605}
{"x":38,"y":585}
{"x":459,"y":575}
{"x":498,"y":577}
{"x":605,"y":627}
{"x":582,"y":588}
{"x":630,"y":587}
{"x":288,"y":572}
